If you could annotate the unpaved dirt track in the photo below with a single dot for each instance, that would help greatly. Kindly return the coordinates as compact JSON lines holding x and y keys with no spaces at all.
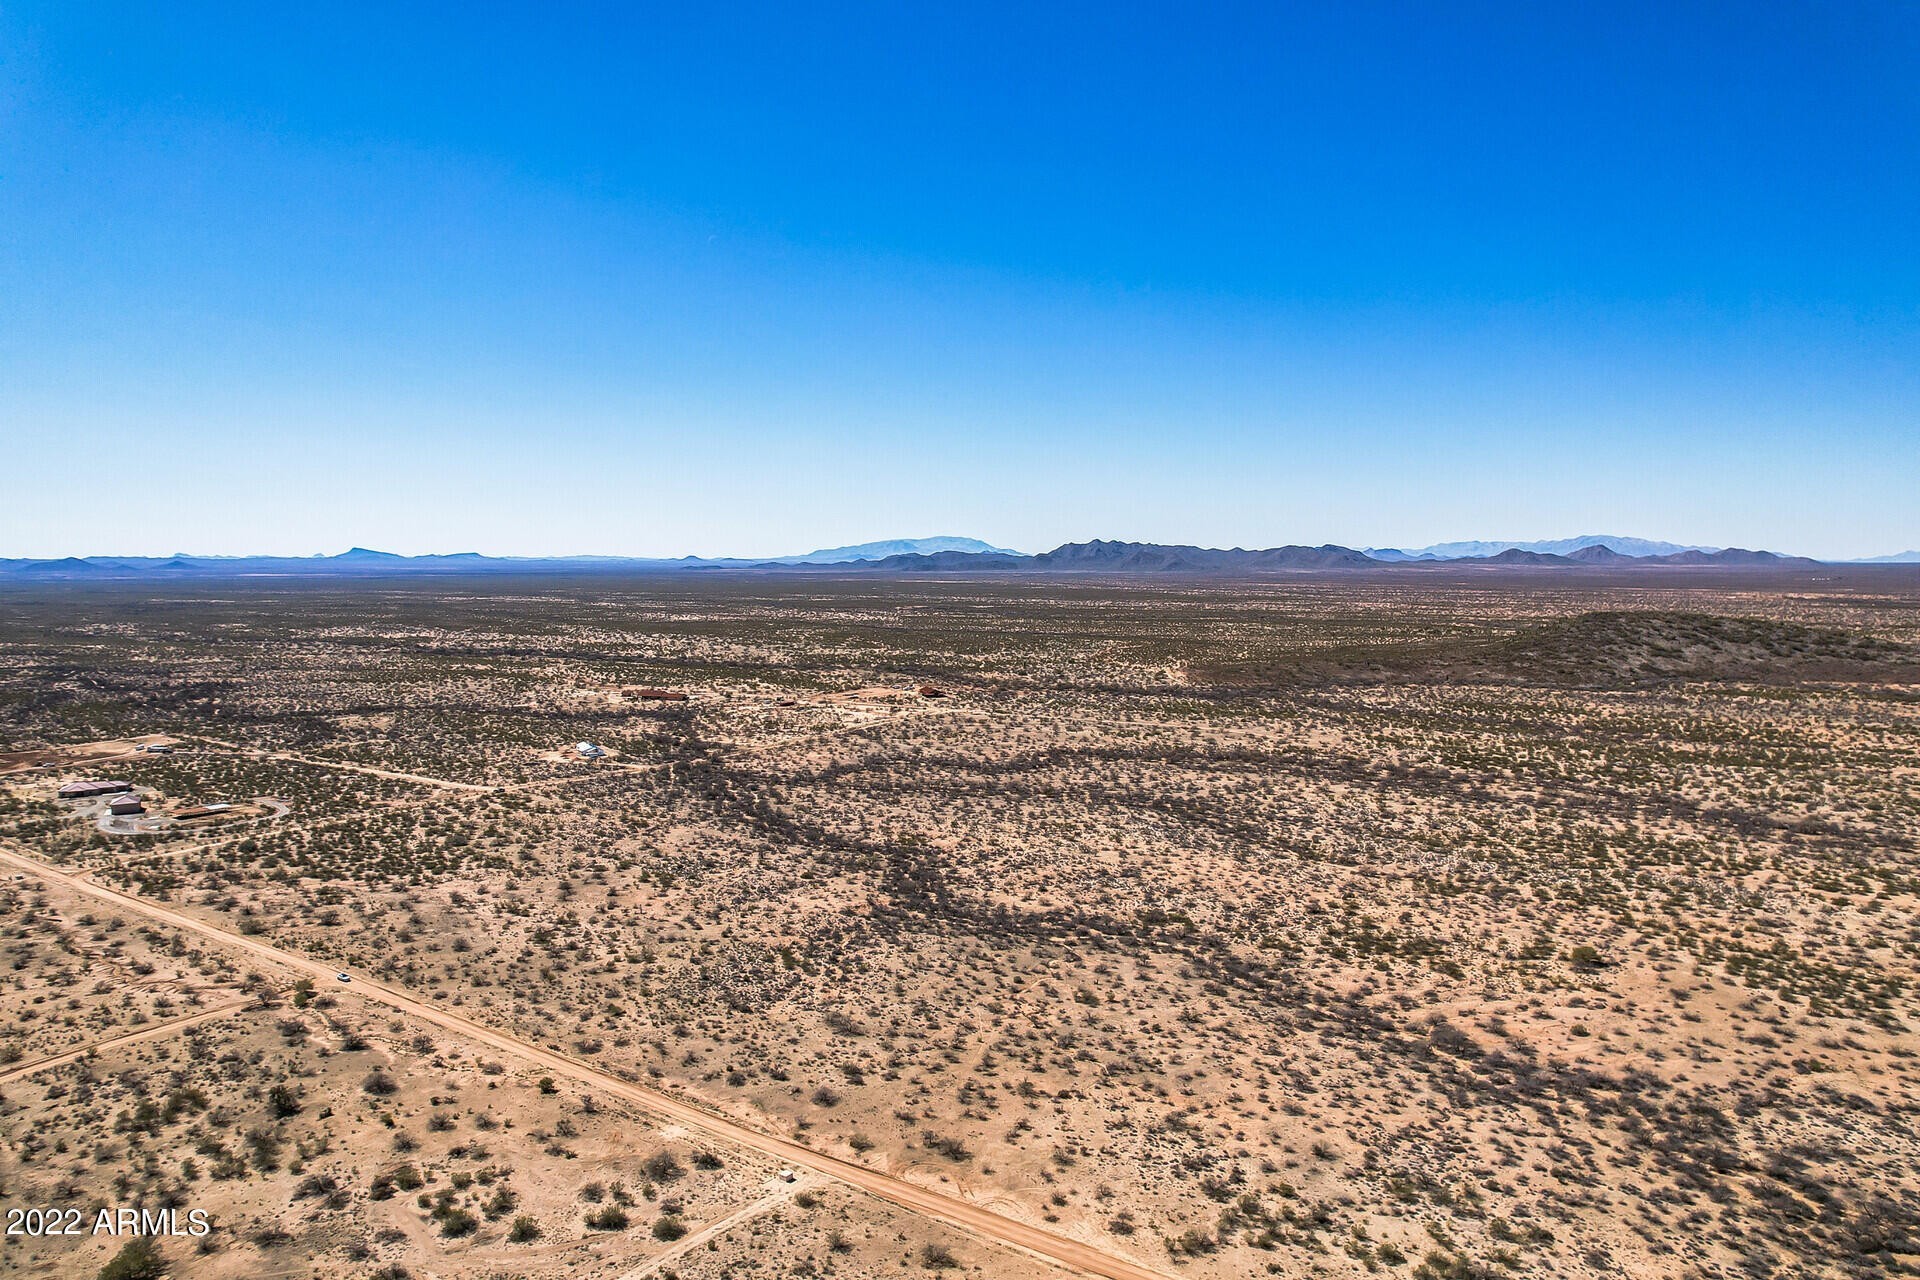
{"x":718,"y":1227}
{"x":152,"y":1031}
{"x":345,"y":765}
{"x":1074,"y":1254}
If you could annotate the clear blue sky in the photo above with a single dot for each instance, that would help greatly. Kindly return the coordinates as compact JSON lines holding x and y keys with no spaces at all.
{"x":285,"y":278}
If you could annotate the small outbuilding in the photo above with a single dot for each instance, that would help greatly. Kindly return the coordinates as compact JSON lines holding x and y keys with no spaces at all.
{"x":124,"y":806}
{"x":589,"y":751}
{"x":93,"y":787}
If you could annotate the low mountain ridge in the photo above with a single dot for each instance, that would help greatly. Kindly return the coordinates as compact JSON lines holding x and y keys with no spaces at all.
{"x":940,"y":554}
{"x":1135,"y":557}
{"x":897,"y":547}
{"x":1618,"y":543}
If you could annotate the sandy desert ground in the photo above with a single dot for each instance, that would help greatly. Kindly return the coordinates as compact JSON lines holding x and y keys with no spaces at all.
{"x":1493,"y":924}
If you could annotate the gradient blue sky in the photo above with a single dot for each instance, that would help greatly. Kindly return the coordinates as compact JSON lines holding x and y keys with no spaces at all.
{"x":280,"y":278}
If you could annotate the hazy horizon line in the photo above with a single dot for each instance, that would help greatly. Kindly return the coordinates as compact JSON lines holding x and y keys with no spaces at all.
{"x":1000,"y":548}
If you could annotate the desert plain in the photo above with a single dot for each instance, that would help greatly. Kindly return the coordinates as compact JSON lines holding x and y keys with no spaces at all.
{"x":1421,"y":923}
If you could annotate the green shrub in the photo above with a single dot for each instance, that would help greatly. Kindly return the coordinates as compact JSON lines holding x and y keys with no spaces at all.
{"x":610,"y":1218}
{"x":139,"y":1260}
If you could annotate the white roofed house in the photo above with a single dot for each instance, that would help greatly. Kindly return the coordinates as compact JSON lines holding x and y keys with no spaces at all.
{"x":588,"y":751}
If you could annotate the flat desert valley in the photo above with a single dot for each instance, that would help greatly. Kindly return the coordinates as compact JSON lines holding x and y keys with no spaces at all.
{"x":1405,"y":923}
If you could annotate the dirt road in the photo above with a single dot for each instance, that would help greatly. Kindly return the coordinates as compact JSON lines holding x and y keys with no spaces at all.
{"x":1050,"y":1246}
{"x":152,"y":1031}
{"x":346,"y":765}
{"x":765,"y":1204}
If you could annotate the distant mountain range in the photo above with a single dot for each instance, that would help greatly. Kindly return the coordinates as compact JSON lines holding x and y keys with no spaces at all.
{"x":953,"y":554}
{"x":1141,"y":557}
{"x":1555,"y":547}
{"x":360,"y":560}
{"x":1148,"y":557}
{"x":895,"y":547}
